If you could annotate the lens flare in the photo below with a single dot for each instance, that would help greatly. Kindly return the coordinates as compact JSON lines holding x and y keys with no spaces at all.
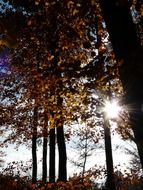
{"x":112,"y":109}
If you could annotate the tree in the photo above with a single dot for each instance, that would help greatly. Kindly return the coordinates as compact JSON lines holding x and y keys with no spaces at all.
{"x":52,"y":44}
{"x":84,"y":143}
{"x":129,"y":52}
{"x":61,"y":55}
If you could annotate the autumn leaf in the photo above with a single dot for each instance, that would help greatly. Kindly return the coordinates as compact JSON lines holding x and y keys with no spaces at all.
{"x":75,"y":11}
{"x":69,"y":4}
{"x":29,"y":23}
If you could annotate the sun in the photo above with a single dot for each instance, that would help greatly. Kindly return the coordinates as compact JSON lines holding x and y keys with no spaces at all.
{"x":112,"y":109}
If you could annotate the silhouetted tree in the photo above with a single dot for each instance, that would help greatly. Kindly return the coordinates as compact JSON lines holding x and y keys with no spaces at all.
{"x":129,"y":53}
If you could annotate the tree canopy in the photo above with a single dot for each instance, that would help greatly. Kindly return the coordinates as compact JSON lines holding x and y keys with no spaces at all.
{"x":60,"y":61}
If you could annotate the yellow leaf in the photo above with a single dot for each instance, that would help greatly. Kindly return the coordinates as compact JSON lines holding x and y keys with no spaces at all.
{"x":52,"y":99}
{"x":46,"y":86}
{"x":52,"y":122}
{"x":32,"y":38}
{"x":60,"y":61}
{"x":78,"y":5}
{"x":58,"y":116}
{"x":50,"y":57}
{"x":46,"y":4}
{"x":8,"y":43}
{"x":2,"y":42}
{"x":70,"y":3}
{"x":37,"y":2}
{"x":75,"y":11}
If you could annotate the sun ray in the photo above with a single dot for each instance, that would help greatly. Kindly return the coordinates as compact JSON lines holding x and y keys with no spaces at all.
{"x":112,"y":109}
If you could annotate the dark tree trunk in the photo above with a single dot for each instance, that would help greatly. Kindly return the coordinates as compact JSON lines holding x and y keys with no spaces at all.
{"x":44,"y":177}
{"x":52,"y":155}
{"x":45,"y":141}
{"x":62,"y":176}
{"x":129,"y":52}
{"x":44,"y":166}
{"x":62,"y":170}
{"x":110,"y":182}
{"x":34,"y":159}
{"x":34,"y":147}
{"x":58,"y":88}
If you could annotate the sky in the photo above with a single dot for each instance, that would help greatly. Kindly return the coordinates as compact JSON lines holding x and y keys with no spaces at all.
{"x":120,"y":158}
{"x":4,"y":6}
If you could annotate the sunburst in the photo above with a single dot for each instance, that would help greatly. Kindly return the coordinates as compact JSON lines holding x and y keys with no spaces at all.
{"x":112,"y":109}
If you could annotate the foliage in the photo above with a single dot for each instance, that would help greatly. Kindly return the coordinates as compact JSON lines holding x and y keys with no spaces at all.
{"x":128,"y":182}
{"x":8,"y":182}
{"x":9,"y":179}
{"x":58,"y":57}
{"x":18,"y":168}
{"x":2,"y":154}
{"x":137,"y":15}
{"x":60,"y":53}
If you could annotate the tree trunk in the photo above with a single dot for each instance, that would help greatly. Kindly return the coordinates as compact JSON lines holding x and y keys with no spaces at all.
{"x":44,"y":167}
{"x":110,"y":182}
{"x":52,"y":156}
{"x":62,"y":176}
{"x":85,"y":155}
{"x":34,"y":159}
{"x":34,"y":147}
{"x":129,"y":52}
{"x":45,"y":141}
{"x":62,"y":170}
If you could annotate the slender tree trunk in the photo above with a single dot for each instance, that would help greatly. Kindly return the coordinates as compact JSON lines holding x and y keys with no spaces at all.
{"x":84,"y":163}
{"x":44,"y":177}
{"x":34,"y":147}
{"x":62,"y":154}
{"x":34,"y":159}
{"x":45,"y":141}
{"x":110,"y":182}
{"x":44,"y":166}
{"x":129,"y":52}
{"x":52,"y":155}
{"x":85,"y":158}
